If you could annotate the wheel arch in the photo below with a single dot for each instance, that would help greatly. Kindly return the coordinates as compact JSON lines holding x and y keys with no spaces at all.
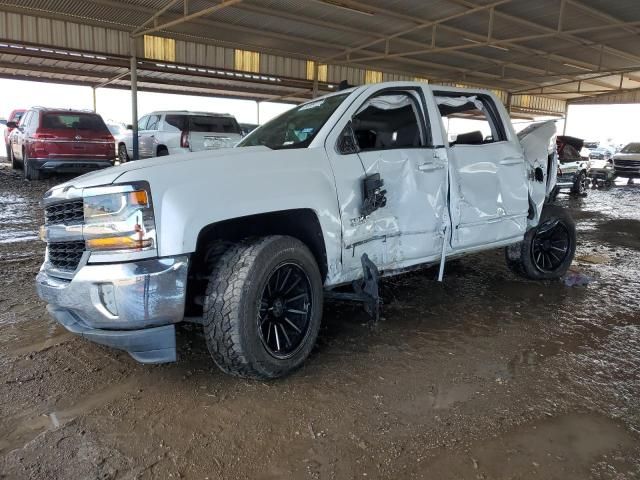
{"x":302,"y":224}
{"x":161,"y":147}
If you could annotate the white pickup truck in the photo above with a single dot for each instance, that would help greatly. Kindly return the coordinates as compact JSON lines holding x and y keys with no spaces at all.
{"x":335,"y":192}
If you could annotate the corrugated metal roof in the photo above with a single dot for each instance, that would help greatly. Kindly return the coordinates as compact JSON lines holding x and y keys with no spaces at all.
{"x":515,"y":45}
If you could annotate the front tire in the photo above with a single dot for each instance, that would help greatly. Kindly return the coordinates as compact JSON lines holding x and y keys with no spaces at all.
{"x":548,"y":249}
{"x":30,"y":173}
{"x":263,"y":307}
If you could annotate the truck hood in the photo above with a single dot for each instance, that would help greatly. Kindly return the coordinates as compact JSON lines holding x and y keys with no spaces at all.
{"x":111,"y":175}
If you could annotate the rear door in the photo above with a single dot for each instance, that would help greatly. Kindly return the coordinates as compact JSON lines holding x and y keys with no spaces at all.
{"x":73,"y":136}
{"x":18,"y":134}
{"x":209,"y":132}
{"x":489,"y":190}
{"x":147,"y":144}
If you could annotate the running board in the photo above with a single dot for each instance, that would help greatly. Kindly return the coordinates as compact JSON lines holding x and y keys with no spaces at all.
{"x":365,"y":291}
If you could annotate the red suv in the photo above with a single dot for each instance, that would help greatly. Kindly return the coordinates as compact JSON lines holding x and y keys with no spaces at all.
{"x":48,"y":140}
{"x":14,"y":117}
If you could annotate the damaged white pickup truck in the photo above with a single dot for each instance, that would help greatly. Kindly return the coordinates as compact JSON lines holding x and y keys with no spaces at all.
{"x":249,"y":240}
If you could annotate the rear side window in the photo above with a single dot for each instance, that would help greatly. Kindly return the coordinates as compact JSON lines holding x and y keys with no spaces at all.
{"x":208,"y":124}
{"x":17,"y":116}
{"x":470,"y":119}
{"x":73,"y":121}
{"x":176,"y":121}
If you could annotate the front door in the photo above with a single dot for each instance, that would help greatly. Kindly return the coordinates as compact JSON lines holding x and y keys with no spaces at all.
{"x":390,"y":138}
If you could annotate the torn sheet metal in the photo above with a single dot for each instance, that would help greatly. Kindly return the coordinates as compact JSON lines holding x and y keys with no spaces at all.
{"x":539,"y":145}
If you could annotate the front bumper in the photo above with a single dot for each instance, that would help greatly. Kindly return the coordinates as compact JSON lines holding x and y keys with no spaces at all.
{"x":566,"y":180}
{"x":625,"y":170}
{"x":130,"y":306}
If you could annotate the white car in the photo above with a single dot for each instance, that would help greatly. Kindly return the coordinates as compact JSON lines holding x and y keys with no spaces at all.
{"x":338,"y":191}
{"x":171,"y":132}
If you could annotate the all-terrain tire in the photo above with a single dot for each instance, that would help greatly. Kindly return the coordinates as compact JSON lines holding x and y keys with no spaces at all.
{"x":522,"y":258}
{"x":30,"y":173}
{"x":233,"y":300}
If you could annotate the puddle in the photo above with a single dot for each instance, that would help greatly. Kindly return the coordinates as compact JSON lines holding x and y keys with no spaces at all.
{"x":30,"y":426}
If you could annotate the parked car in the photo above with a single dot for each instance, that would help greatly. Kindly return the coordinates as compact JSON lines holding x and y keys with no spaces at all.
{"x":172,"y":132}
{"x":601,"y":153}
{"x":119,"y":132}
{"x":247,"y":128}
{"x":626,"y":163}
{"x":14,"y":119}
{"x":247,"y":241}
{"x":48,"y":140}
{"x":573,"y":168}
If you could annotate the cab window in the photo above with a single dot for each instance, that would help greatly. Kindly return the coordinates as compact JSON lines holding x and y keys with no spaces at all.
{"x":388,"y":121}
{"x":470,"y":119}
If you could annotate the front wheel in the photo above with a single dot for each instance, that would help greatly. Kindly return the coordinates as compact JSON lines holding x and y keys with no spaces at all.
{"x":263,"y":307}
{"x":547,"y":249}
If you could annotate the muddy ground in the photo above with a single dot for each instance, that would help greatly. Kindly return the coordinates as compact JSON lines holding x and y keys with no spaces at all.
{"x":486,"y":376}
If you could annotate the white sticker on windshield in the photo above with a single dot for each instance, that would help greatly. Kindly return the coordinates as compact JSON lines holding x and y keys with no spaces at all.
{"x":311,"y":105}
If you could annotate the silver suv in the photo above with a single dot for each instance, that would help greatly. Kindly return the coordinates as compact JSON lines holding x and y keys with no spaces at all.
{"x":172,"y":132}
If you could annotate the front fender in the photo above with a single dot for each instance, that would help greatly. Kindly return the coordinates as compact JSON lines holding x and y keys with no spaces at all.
{"x":197,"y":191}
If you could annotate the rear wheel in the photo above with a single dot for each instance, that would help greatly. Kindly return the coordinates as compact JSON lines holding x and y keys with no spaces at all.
{"x":548,"y":249}
{"x":123,"y":156}
{"x":581,"y":184}
{"x":263,"y":307}
{"x":14,"y":163}
{"x":30,"y":173}
{"x":163,"y":151}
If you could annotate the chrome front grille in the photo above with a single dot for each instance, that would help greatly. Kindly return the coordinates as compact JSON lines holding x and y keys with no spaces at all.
{"x":65,"y":255}
{"x":627,"y":163}
{"x":66,"y":213}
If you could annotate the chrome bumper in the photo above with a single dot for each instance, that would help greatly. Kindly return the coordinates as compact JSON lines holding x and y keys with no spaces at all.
{"x":130,"y":306}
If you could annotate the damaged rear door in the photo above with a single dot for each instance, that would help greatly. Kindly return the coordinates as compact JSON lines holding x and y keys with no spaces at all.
{"x":538,"y":141}
{"x":391,"y":141}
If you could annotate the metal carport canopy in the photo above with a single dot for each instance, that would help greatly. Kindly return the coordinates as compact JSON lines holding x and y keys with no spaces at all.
{"x":536,"y":55}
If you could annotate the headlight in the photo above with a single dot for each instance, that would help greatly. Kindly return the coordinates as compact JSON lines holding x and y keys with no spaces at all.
{"x":119,"y":219}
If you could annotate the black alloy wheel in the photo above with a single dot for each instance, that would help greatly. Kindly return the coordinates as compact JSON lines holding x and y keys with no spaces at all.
{"x":285,"y":310}
{"x":551,"y":246}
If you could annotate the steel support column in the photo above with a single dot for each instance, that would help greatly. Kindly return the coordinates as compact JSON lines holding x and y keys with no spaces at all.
{"x":134,"y":100}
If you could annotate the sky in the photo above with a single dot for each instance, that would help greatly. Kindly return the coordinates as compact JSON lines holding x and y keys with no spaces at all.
{"x":613,"y":124}
{"x":115,"y":105}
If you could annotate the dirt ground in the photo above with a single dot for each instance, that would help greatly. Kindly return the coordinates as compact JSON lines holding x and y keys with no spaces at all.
{"x":486,"y":376}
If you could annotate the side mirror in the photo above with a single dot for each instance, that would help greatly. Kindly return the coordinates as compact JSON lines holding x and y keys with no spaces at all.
{"x":12,"y":124}
{"x":129,"y":127}
{"x":347,"y":141}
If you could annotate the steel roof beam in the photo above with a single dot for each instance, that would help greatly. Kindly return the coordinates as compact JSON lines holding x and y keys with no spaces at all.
{"x":184,"y":18}
{"x":421,"y":25}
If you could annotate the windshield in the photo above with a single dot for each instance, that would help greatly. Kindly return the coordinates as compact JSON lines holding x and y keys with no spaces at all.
{"x":297,"y":127}
{"x":115,"y":129}
{"x":631,"y":148}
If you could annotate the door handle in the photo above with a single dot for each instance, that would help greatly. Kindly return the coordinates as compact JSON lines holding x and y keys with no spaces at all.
{"x":430,"y":166}
{"x":512,"y":161}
